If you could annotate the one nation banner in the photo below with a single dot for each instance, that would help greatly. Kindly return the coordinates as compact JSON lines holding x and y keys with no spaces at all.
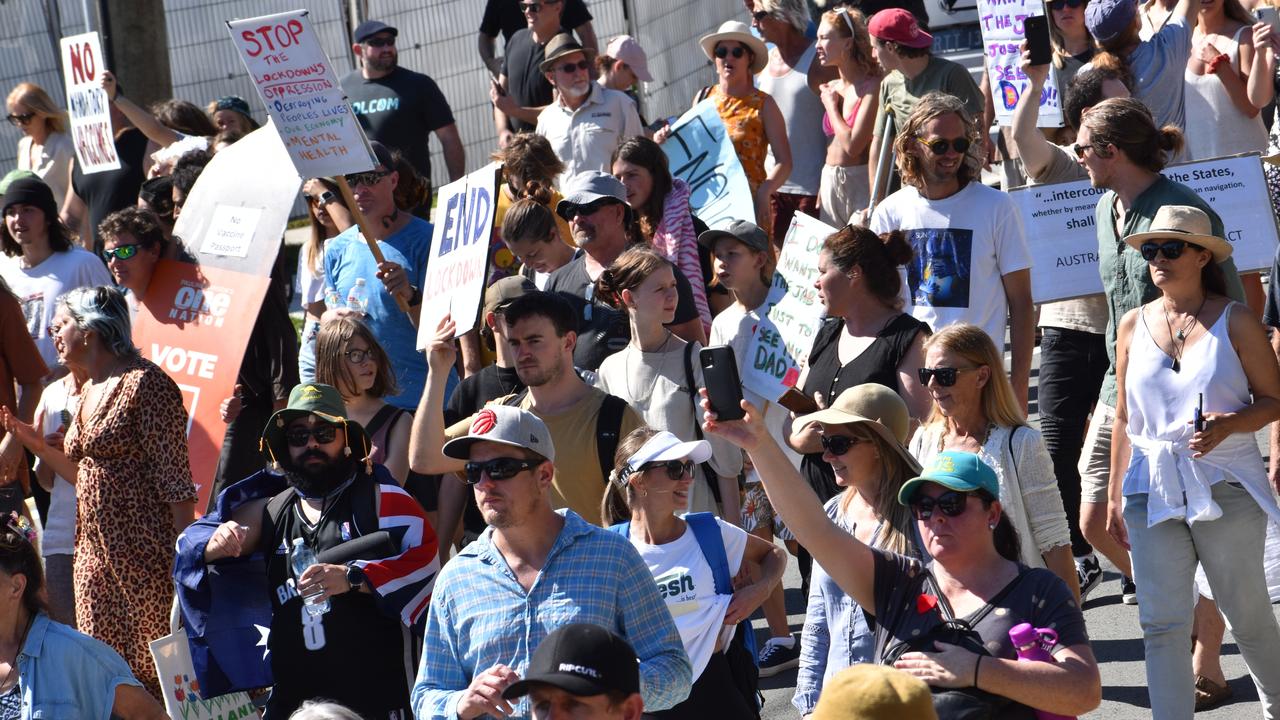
{"x":87,"y":104}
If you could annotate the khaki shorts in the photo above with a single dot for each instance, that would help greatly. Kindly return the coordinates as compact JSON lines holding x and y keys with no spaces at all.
{"x":1095,"y":456}
{"x":757,"y":512}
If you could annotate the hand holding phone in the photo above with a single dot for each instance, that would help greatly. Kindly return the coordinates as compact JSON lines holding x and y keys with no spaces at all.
{"x":1037,"y":33}
{"x":720,"y":376}
{"x":1199,"y":416}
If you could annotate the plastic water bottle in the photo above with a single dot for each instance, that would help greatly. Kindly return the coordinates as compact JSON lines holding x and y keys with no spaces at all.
{"x":1030,"y":643}
{"x":332,"y":300}
{"x":358,"y":297}
{"x":300,"y":559}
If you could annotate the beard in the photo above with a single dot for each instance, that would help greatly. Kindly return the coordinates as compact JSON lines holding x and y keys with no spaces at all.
{"x":577,"y":90}
{"x":381,"y":64}
{"x":320,"y":480}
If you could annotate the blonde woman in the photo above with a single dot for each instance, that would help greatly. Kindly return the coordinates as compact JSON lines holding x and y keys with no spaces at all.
{"x":850,"y":102}
{"x":45,"y":147}
{"x":1229,"y":80}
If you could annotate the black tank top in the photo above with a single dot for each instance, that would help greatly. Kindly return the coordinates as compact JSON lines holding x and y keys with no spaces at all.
{"x":877,"y":364}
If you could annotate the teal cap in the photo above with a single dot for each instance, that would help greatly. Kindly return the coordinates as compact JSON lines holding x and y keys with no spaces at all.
{"x":961,"y":471}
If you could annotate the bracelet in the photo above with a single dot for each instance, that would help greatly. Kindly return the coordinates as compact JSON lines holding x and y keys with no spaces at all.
{"x":976,"y":665}
{"x":1217,"y":61}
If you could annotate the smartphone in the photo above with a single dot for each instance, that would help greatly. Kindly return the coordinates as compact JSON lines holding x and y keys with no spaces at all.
{"x":1199,"y":417}
{"x":720,"y":375}
{"x":1037,"y":32}
{"x":1269,"y":15}
{"x":797,"y":402}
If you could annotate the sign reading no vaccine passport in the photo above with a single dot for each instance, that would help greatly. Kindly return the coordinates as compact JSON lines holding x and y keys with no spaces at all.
{"x":456,"y":269}
{"x":296,"y":81}
{"x":780,"y":347}
{"x":1063,"y":239}
{"x":87,"y":104}
{"x":1001,"y":22}
{"x":700,"y":153}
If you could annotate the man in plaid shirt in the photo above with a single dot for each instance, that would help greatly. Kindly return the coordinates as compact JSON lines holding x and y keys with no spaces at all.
{"x":533,"y":570}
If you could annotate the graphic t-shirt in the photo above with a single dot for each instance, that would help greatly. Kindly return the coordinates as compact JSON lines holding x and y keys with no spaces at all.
{"x":963,"y":246}
{"x":38,"y":289}
{"x":688,"y":587}
{"x":400,"y":111}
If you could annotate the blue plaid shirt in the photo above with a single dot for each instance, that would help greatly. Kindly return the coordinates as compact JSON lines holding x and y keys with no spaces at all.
{"x":481,"y":616}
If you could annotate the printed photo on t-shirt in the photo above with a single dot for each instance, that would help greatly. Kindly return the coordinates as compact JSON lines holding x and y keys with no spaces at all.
{"x":33,"y":310}
{"x":940,"y":272}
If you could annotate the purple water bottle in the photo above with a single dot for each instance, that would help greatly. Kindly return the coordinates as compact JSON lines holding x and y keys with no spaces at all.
{"x":1030,"y":643}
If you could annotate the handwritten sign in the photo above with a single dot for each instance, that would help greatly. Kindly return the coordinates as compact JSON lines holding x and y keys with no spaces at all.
{"x":465,"y":209}
{"x":700,"y":153}
{"x":296,"y":81}
{"x":1002,"y":32}
{"x":87,"y":104}
{"x":1062,"y":233}
{"x":780,"y":349}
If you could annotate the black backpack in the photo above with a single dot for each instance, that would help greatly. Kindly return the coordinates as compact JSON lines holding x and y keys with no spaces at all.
{"x":608,"y":427}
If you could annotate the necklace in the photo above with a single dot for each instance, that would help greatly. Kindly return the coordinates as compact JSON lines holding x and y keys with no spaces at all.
{"x":626,"y":365}
{"x":5,"y":686}
{"x":986,"y":435}
{"x":1181,"y":334}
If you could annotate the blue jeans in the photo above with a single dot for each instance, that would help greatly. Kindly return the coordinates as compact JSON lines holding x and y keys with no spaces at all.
{"x":1164,"y":567}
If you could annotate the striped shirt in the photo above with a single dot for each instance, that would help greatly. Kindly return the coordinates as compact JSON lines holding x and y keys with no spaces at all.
{"x":481,"y":616}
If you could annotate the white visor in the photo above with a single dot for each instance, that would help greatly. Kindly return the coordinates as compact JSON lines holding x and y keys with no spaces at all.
{"x":663,"y":447}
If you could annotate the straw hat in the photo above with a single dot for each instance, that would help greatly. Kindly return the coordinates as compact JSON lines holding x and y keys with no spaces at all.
{"x":878,"y":409}
{"x":1183,"y":222}
{"x":737,"y":32}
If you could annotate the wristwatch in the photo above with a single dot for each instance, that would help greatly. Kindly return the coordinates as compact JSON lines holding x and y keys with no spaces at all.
{"x":355,"y":576}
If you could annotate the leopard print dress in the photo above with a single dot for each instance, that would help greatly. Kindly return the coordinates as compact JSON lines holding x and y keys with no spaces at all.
{"x":133,"y":462}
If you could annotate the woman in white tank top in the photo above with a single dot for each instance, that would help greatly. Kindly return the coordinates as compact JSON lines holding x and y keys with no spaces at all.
{"x":1187,"y":487}
{"x":1228,"y":80}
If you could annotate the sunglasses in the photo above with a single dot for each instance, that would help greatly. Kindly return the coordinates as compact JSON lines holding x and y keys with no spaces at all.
{"x":1171,"y":249}
{"x":1080,"y":150}
{"x":367,"y":179}
{"x":724,"y":52}
{"x":759,"y":15}
{"x":676,"y":469}
{"x":939,"y":146}
{"x":951,"y":503}
{"x":840,"y":444}
{"x":124,"y":252}
{"x":20,"y":119}
{"x":299,"y":436}
{"x":356,"y":357}
{"x":1060,"y":4}
{"x":323,"y":198}
{"x":946,"y":376}
{"x":381,"y":42}
{"x":588,"y":210}
{"x":497,"y":469}
{"x":533,"y":7}
{"x":571,"y":68}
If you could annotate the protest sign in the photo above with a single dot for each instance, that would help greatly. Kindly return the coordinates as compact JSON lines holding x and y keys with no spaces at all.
{"x":87,"y":104}
{"x":455,"y":281}
{"x":700,"y":153}
{"x":1002,"y":32}
{"x":780,"y":348}
{"x":1062,"y":235}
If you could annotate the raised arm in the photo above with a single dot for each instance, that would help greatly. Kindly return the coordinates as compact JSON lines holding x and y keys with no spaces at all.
{"x":1031,"y":145}
{"x":156,"y":131}
{"x":428,"y":438}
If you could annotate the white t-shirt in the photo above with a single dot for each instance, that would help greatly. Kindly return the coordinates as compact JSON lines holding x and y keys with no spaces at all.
{"x":38,"y":289}
{"x":963,"y":245}
{"x":688,"y":587}
{"x":308,"y":283}
{"x":60,"y":527}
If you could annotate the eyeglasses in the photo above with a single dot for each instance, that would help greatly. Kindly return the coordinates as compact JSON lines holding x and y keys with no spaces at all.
{"x":574,"y":211}
{"x":951,"y":503}
{"x":946,"y":376}
{"x":1079,"y":149}
{"x":723,"y":52}
{"x":367,"y":179}
{"x":299,"y":435}
{"x":497,"y":469}
{"x":1171,"y":249}
{"x":840,"y":444}
{"x":759,"y":15}
{"x":676,"y":469}
{"x":533,"y":7}
{"x":123,"y":252}
{"x":325,"y":197}
{"x":356,"y":357}
{"x":378,"y":42}
{"x":1058,"y":5}
{"x":939,"y":146}
{"x":20,"y":119}
{"x":571,"y":68}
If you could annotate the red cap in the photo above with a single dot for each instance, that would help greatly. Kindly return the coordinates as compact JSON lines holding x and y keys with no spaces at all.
{"x":898,"y":25}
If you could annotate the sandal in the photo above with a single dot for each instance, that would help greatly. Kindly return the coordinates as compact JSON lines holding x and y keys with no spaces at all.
{"x":1210,"y":694}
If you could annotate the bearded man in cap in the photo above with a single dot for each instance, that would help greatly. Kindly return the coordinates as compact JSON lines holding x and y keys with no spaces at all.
{"x":374,"y":570}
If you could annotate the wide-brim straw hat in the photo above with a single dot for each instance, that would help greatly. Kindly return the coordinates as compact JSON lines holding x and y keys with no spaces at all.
{"x":737,"y":32}
{"x":874,"y":407}
{"x":1183,"y":222}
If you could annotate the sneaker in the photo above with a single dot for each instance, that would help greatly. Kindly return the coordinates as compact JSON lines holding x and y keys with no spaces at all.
{"x":776,"y":657}
{"x":1128,"y":591}
{"x":1090,"y":573}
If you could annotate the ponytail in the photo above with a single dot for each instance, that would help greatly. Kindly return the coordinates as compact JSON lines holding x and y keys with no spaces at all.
{"x":616,"y":505}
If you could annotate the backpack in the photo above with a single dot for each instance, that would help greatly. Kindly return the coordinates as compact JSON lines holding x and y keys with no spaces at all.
{"x":608,"y":428}
{"x":742,"y":655}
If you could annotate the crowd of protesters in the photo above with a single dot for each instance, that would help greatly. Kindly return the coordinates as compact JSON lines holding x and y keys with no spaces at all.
{"x":544,"y":515}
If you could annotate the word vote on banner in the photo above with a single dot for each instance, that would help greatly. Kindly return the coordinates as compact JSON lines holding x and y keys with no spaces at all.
{"x":700,"y":153}
{"x":1001,"y":22}
{"x":87,"y":104}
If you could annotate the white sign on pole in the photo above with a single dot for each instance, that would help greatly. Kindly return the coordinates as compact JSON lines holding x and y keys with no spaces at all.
{"x":296,"y":81}
{"x":456,"y":269}
{"x":1002,"y":32}
{"x":1063,"y":240}
{"x":87,"y":103}
{"x":700,"y":153}
{"x":780,"y":348}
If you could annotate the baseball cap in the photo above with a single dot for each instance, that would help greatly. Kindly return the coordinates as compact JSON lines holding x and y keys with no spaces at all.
{"x":874,"y":692}
{"x":898,"y":25}
{"x":501,"y":293}
{"x":954,"y":470}
{"x":663,"y":447}
{"x":626,"y":49}
{"x":582,"y":660}
{"x":1106,"y":19}
{"x":589,"y":187}
{"x":369,"y":28}
{"x":505,"y":425}
{"x":383,"y":154}
{"x":747,"y":233}
{"x":233,"y":102}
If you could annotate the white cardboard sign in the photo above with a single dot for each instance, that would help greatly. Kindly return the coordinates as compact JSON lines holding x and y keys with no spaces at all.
{"x":87,"y":103}
{"x":1001,"y":22}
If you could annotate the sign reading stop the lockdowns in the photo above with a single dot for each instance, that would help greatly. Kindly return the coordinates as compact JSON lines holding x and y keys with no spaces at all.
{"x":87,"y":103}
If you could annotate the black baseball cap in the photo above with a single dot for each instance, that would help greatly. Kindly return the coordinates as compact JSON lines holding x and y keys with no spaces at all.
{"x":582,"y":660}
{"x":369,"y":28}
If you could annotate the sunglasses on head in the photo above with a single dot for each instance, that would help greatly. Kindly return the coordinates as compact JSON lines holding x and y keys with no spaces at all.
{"x":22,"y":119}
{"x":951,"y":503}
{"x":1060,"y":4}
{"x":379,"y":42}
{"x":939,"y":146}
{"x":299,"y":435}
{"x":676,"y":469}
{"x":840,"y":444}
{"x":367,"y":179}
{"x":946,"y":376}
{"x":323,"y":198}
{"x":501,"y":468}
{"x":571,"y":68}
{"x":123,"y":252}
{"x":723,"y":52}
{"x":1171,"y":249}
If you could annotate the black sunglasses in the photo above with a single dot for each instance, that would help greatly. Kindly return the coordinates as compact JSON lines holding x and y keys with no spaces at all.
{"x":840,"y":444}
{"x":381,"y":42}
{"x":676,"y":469}
{"x":939,"y":146}
{"x":587,"y":210}
{"x":1080,"y":150}
{"x":570,"y":68}
{"x":367,"y":179}
{"x":1060,"y":4}
{"x":759,"y":15}
{"x":298,"y":436}
{"x":946,"y":376}
{"x":724,"y":52}
{"x":534,"y":7}
{"x":951,"y":503}
{"x":22,"y":119}
{"x":497,"y":469}
{"x":1171,"y":249}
